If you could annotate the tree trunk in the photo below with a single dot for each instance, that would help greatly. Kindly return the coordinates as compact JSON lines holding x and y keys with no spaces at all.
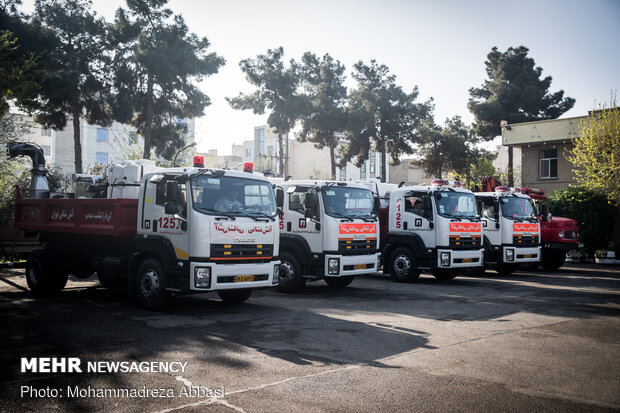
{"x":281,"y":163}
{"x":77,"y":142}
{"x":148,"y":118}
{"x":332,"y":159}
{"x":510,"y":167}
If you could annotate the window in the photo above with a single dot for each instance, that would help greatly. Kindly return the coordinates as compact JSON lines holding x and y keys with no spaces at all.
{"x":46,"y":132}
{"x":248,"y":152}
{"x":47,"y":150}
{"x":413,"y":204}
{"x":343,"y":173}
{"x":296,"y":198}
{"x":160,"y":195}
{"x":102,"y":135}
{"x":363,"y":171}
{"x":102,"y":158}
{"x":549,"y":164}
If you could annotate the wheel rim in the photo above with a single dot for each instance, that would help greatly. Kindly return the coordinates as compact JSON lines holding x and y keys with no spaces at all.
{"x":287,"y":272}
{"x":402,"y":265}
{"x":34,"y":272}
{"x":149,"y":284}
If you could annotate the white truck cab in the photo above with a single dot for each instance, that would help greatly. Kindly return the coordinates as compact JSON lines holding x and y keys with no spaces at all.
{"x":328,"y":230}
{"x":511,"y":229}
{"x":433,"y":227}
{"x":211,"y":230}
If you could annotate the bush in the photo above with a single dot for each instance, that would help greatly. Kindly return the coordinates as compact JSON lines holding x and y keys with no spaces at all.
{"x":593,"y":211}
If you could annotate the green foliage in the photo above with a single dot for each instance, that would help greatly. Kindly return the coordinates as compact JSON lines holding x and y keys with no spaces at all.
{"x":325,"y":114}
{"x":157,"y":63}
{"x":12,"y":171}
{"x":514,"y":92}
{"x":382,"y":113}
{"x":591,"y":209}
{"x":276,"y":90}
{"x":596,"y":153}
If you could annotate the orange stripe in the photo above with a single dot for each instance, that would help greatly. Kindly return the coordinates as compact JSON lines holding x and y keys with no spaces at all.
{"x":240,"y":258}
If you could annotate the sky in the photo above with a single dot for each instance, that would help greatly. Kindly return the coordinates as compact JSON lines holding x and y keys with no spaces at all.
{"x":440,"y":46}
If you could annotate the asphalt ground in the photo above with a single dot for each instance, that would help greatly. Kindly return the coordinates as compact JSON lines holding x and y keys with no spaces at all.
{"x":530,"y":341}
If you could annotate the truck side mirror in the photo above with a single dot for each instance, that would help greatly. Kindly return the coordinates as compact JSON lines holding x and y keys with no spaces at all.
{"x":170,"y":207}
{"x":310,"y":200}
{"x":172,"y":190}
{"x":377,"y":205}
{"x":279,"y":197}
{"x":279,"y":212}
{"x":427,"y":208}
{"x":308,"y":213}
{"x":543,"y":212}
{"x":496,"y":210}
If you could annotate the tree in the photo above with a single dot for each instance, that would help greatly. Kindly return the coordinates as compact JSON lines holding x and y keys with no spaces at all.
{"x":443,"y":149}
{"x":276,"y":90}
{"x":74,"y":83}
{"x":381,"y":112}
{"x":157,"y":63}
{"x":514,"y":92}
{"x":12,"y":171}
{"x":323,"y":81}
{"x":596,"y":153}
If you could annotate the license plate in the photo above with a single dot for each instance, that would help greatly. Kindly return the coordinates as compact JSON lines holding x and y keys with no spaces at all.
{"x":244,"y":278}
{"x":468,"y":260}
{"x":360,"y":267}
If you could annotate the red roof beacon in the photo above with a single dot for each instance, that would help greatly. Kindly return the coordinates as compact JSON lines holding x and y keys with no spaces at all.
{"x":199,"y":161}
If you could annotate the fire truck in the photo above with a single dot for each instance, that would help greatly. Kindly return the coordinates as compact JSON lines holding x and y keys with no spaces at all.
{"x":558,"y":234}
{"x":328,"y":230}
{"x":511,"y":229}
{"x":158,"y":232}
{"x":433,"y":227}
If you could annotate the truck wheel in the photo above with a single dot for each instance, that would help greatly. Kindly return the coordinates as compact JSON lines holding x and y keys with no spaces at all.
{"x":506,"y":269}
{"x":444,"y":275}
{"x":42,"y":276}
{"x":552,"y":260}
{"x":151,"y":285}
{"x":403,"y":265}
{"x":291,"y":280}
{"x":235,"y":296}
{"x":339,"y":282}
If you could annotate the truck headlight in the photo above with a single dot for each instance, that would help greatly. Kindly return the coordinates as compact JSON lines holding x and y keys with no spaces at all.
{"x":202,"y":277}
{"x":276,"y":275}
{"x":510,"y":255}
{"x":445,"y":259}
{"x":333,"y":266}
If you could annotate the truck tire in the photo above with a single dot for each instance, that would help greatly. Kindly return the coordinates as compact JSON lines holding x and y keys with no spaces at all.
{"x":403,"y":265}
{"x":151,"y":282}
{"x":444,"y":274}
{"x":552,"y":260}
{"x":339,"y":282}
{"x":42,"y":275}
{"x":235,"y":296}
{"x":291,"y":280}
{"x":506,"y":269}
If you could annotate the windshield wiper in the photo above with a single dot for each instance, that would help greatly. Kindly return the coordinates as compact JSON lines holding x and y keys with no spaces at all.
{"x":255,"y":218}
{"x":218,"y":212}
{"x":263,"y":215}
{"x":339,"y":215}
{"x":366,"y":218}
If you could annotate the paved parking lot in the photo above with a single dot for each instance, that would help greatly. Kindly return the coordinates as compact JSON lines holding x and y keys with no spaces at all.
{"x":530,"y":341}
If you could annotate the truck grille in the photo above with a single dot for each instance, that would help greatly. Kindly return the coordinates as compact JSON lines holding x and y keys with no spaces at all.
{"x":525,"y":240}
{"x":465,"y":243}
{"x":357,"y":247}
{"x":241,"y":252}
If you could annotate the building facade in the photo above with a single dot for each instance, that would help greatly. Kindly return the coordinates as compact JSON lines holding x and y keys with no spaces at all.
{"x":545,"y":146}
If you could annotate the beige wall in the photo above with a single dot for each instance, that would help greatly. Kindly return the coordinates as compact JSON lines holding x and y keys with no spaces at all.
{"x":531,"y":167}
{"x":541,"y":131}
{"x":410,"y":174}
{"x":308,"y":162}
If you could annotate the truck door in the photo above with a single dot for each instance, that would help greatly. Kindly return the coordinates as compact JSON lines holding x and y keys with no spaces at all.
{"x":490,"y":220}
{"x":418,"y":216}
{"x":157,"y":223}
{"x":295,"y":220}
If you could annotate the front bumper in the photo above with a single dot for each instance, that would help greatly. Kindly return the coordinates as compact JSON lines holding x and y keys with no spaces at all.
{"x":461,"y":258}
{"x":348,"y":263}
{"x":522,"y":255}
{"x":223,"y":275}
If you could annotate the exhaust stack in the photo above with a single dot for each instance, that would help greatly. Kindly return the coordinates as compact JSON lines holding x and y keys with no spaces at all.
{"x":39,"y":184}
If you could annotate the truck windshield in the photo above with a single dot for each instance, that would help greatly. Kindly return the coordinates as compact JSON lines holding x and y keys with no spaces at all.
{"x":233,"y":196}
{"x":518,"y":208}
{"x":456,"y":204}
{"x":348,"y":202}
